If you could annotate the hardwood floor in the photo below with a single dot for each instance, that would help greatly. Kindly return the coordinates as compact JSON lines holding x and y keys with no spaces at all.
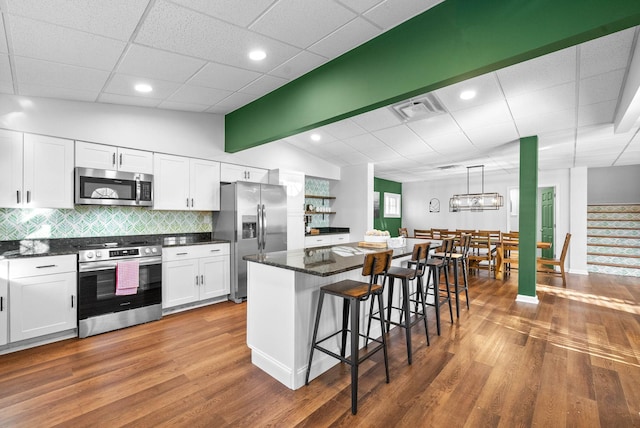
{"x":573,"y":360}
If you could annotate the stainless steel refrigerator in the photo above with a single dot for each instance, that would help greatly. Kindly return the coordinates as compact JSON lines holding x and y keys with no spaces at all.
{"x":253,"y":218}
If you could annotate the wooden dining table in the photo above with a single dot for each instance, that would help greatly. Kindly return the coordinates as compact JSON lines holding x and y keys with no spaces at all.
{"x":499,"y":266}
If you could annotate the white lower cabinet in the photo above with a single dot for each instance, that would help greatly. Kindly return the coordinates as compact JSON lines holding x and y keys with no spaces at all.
{"x":194,"y":273}
{"x":4,"y":309}
{"x":311,"y":241}
{"x":43,"y":296}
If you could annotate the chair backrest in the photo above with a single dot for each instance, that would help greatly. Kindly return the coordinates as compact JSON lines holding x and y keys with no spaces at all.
{"x":510,"y":236}
{"x":419,"y":256}
{"x":465,"y":244}
{"x":565,"y":247}
{"x":376,"y":264}
{"x":447,"y":249}
{"x":493,"y":234}
{"x":422,"y":233}
{"x":402,"y":231}
{"x":440,"y":233}
{"x":481,"y":244}
{"x":509,"y":248}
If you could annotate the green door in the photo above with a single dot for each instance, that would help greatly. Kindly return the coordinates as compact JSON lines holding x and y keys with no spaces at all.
{"x":547,"y":219}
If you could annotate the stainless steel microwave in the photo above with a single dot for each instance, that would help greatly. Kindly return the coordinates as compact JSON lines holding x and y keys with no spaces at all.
{"x":106,"y":187}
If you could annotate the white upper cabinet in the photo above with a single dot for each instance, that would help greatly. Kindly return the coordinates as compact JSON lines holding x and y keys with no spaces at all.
{"x":230,"y":173}
{"x":35,"y":171}
{"x":101,"y":156}
{"x":182,"y":183}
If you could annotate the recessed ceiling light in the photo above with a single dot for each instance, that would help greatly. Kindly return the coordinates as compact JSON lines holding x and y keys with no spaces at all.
{"x":315,"y":137}
{"x":257,"y":55}
{"x":143,"y":87}
{"x":467,"y":95}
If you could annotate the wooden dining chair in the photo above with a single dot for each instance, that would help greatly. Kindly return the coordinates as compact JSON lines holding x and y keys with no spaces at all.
{"x":546,"y":265}
{"x":440,"y":233}
{"x":509,"y":244}
{"x":422,"y":233}
{"x":402,"y":231}
{"x":481,"y":254}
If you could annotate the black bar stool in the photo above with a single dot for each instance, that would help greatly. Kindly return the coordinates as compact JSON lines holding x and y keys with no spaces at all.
{"x":461,"y":259}
{"x":441,"y":295}
{"x":354,"y":293}
{"x":418,"y":259}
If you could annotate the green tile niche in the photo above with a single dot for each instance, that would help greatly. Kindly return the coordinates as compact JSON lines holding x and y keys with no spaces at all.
{"x":89,"y":221}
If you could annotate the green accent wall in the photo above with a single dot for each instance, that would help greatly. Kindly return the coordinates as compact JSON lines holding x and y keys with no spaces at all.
{"x":386,"y":223}
{"x":87,"y":221}
{"x":528,"y":214}
{"x":453,"y":41}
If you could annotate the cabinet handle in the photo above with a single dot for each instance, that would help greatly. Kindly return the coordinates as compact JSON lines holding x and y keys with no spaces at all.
{"x":45,"y":266}
{"x":187,"y":202}
{"x":181,"y":254}
{"x":120,"y":159}
{"x":28,"y":196}
{"x":201,"y":279}
{"x":113,"y":159}
{"x":191,"y":202}
{"x":1,"y":303}
{"x":197,"y":280}
{"x":215,"y":251}
{"x":249,"y":175}
{"x":18,"y":196}
{"x":72,"y":300}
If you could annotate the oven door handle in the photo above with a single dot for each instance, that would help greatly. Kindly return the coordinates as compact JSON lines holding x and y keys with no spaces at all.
{"x":108,"y":265}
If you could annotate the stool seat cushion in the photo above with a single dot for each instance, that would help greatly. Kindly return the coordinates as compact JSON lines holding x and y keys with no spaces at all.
{"x":351,"y":289}
{"x":399,"y":272}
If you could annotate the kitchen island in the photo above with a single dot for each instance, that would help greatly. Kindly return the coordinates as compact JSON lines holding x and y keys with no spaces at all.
{"x":282,"y":297}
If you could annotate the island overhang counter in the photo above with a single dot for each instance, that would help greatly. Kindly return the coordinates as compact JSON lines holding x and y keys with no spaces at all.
{"x":282,"y":297}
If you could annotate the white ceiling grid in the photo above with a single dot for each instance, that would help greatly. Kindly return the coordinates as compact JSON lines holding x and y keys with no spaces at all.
{"x":194,"y":54}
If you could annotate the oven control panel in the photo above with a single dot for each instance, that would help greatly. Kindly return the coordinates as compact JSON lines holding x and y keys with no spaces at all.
{"x":119,"y":253}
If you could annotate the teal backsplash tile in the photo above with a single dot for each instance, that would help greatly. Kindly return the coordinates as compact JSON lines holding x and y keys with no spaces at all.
{"x":88,"y":221}
{"x":317,"y":187}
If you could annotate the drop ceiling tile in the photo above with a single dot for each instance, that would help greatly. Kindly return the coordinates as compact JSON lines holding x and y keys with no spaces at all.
{"x":122,"y":84}
{"x":156,"y":64}
{"x":302,"y":23}
{"x":397,"y":135}
{"x":180,"y":30}
{"x":486,"y":87}
{"x":49,"y":42}
{"x":60,"y":93}
{"x":359,"y":6}
{"x":615,"y":47}
{"x":116,"y":19}
{"x":189,"y":94}
{"x":365,"y":143}
{"x":344,"y":129}
{"x":241,"y":13}
{"x":218,"y":110}
{"x":223,"y":77}
{"x":450,"y":143}
{"x":355,"y":158}
{"x":601,"y":87}
{"x":596,"y":114}
{"x":478,"y":117}
{"x":128,"y":100}
{"x":390,"y":13}
{"x":304,"y":138}
{"x":382,"y":154}
{"x":434,"y":126}
{"x":377,"y":119}
{"x":492,"y":135}
{"x":544,"y":101}
{"x":3,"y":40}
{"x":345,"y":38}
{"x":546,"y":122}
{"x":300,"y":64}
{"x":5,"y":68}
{"x":35,"y":72}
{"x":263,"y":85}
{"x":172,"y":105}
{"x":235,"y":101}
{"x":539,"y":73}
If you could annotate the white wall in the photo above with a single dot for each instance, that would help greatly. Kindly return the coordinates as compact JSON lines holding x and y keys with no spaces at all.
{"x":577,"y":256}
{"x":199,"y":135}
{"x":605,"y":185}
{"x":354,"y":200}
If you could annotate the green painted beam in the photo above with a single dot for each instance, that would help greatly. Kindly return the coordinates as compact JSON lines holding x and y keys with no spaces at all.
{"x":452,"y":42}
{"x":528,"y":210}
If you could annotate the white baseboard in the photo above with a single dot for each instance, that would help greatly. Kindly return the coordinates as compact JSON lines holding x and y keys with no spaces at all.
{"x":527,"y":299}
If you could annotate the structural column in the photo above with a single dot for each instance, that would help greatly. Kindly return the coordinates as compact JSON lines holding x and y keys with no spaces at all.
{"x":527,"y":219}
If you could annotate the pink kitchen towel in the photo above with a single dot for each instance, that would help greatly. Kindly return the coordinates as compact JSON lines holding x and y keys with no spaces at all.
{"x":127,"y":277}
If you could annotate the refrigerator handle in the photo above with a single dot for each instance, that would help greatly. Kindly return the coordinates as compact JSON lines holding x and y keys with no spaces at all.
{"x":259,"y":227}
{"x":264,"y":227}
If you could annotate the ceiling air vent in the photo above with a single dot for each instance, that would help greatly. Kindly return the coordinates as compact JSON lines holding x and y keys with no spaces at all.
{"x":419,"y":108}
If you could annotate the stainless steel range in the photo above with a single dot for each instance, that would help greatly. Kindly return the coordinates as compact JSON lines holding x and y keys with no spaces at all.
{"x":102,"y":306}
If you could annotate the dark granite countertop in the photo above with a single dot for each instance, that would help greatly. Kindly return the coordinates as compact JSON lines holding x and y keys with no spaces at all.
{"x":329,"y":231}
{"x":326,"y":261}
{"x":58,"y":247}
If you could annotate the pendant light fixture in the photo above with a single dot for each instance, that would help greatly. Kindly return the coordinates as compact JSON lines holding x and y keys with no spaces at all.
{"x":476,"y":201}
